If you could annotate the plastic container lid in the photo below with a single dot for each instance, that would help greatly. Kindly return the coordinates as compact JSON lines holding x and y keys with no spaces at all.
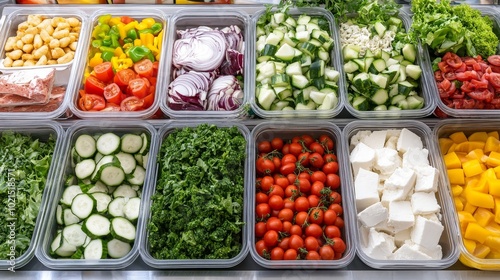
{"x":287,"y":130}
{"x":214,"y":18}
{"x":64,"y":166}
{"x":41,"y":130}
{"x":138,"y":14}
{"x":164,"y":131}
{"x":57,"y":105}
{"x":429,"y":73}
{"x":448,"y":237}
{"x":335,"y":55}
{"x":444,"y":128}
{"x":429,"y":104}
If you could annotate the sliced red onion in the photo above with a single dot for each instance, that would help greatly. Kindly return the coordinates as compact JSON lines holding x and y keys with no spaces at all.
{"x":225,"y":94}
{"x":233,"y":65}
{"x":234,"y":37}
{"x":203,"y":52}
{"x":193,"y":32}
{"x":189,"y":91}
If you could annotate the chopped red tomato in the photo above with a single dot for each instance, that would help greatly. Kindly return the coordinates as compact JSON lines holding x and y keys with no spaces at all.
{"x":156,"y":65}
{"x":104,"y":71}
{"x":132,"y":103}
{"x":92,"y":102}
{"x":144,"y":68}
{"x":138,"y":88}
{"x":94,"y":86}
{"x":494,"y":60}
{"x":148,"y":100}
{"x":113,"y":93}
{"x":123,"y":77}
{"x":453,"y":60}
{"x":126,"y":19}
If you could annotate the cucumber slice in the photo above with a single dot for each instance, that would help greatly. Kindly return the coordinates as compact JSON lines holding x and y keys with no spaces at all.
{"x":83,"y":205}
{"x":132,"y":208}
{"x":102,"y":200}
{"x":69,"y":194}
{"x":145,"y":158}
{"x":85,"y":146}
{"x":74,"y":235}
{"x":56,"y":243}
{"x":317,"y":69}
{"x":124,"y":191}
{"x":112,"y":175}
{"x":116,"y":207}
{"x":122,"y":229}
{"x":131,"y":143}
{"x":65,"y":249}
{"x":118,"y":249}
{"x":96,"y":226}
{"x":380,"y":97}
{"x":97,"y":249}
{"x":145,"y":144}
{"x":98,"y":187}
{"x":69,"y":218}
{"x":108,"y":143}
{"x":85,"y":168}
{"x":59,"y":215}
{"x":127,"y":162}
{"x":137,"y":178}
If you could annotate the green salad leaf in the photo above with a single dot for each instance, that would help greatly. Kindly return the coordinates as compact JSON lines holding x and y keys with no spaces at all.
{"x":24,"y":167}
{"x":197,"y":208}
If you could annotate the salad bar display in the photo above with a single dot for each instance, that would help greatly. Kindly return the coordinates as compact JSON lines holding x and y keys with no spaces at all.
{"x":216,"y":137}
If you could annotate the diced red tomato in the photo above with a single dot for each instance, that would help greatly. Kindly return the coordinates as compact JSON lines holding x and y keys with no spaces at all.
{"x":113,"y":93}
{"x":450,"y":76}
{"x":132,"y":103}
{"x":104,"y":71}
{"x":94,"y":86}
{"x":494,"y":79}
{"x":138,"y":88}
{"x":148,"y":100}
{"x":126,"y":19}
{"x":444,"y":67}
{"x":156,"y":65}
{"x":494,"y":60}
{"x":124,"y":76}
{"x":92,"y":102}
{"x":144,"y":68}
{"x":453,"y":60}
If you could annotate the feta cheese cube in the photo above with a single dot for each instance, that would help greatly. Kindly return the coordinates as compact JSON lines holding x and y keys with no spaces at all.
{"x":386,"y":160}
{"x":376,"y":139}
{"x":435,"y":253}
{"x":380,"y":245}
{"x":401,"y":179}
{"x":424,"y":203}
{"x":373,"y":214}
{"x":389,"y":196}
{"x":416,"y":157}
{"x":384,"y":227}
{"x":365,"y":188}
{"x":400,"y":215}
{"x":391,"y":143}
{"x":358,"y":137}
{"x":407,"y":139}
{"x":362,"y":157}
{"x":436,"y":217}
{"x":402,"y":236}
{"x":427,"y":179}
{"x":426,"y":233}
{"x":407,"y":252}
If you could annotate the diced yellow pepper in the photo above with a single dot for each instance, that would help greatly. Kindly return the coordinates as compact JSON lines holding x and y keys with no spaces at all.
{"x":456,"y":176}
{"x":114,"y":21}
{"x":146,"y":38}
{"x":468,"y":146}
{"x":478,"y":136}
{"x":493,"y":159}
{"x":483,"y":216}
{"x":494,"y":134}
{"x":475,"y":154}
{"x":458,"y":137}
{"x":470,"y":245}
{"x":120,"y":64}
{"x":445,"y":144}
{"x":451,"y":160}
{"x":122,"y":56}
{"x":118,"y":52}
{"x":476,"y":232}
{"x":493,"y":242}
{"x":130,"y":25}
{"x":493,"y":255}
{"x":95,"y":60}
{"x":482,"y":184}
{"x":452,"y":148}
{"x":149,"y":22}
{"x":137,"y":42}
{"x":491,"y":144}
{"x":470,"y":208}
{"x":160,"y":39}
{"x":494,"y":228}
{"x":481,"y":251}
{"x":456,"y":190}
{"x":121,"y":30}
{"x":472,"y":168}
{"x":153,"y":49}
{"x":458,"y":204}
{"x":497,"y":210}
{"x":494,"y":187}
{"x":479,"y":199}
{"x":465,"y":218}
{"x":141,"y":26}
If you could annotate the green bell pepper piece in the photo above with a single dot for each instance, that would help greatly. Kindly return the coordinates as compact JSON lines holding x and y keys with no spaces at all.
{"x":106,"y":55}
{"x":104,"y":19}
{"x":146,"y":31}
{"x":114,"y":41}
{"x":114,"y":30}
{"x":106,"y":49}
{"x":128,"y":41}
{"x":104,"y":28}
{"x":106,"y":41}
{"x":156,"y":27}
{"x":96,"y":43}
{"x":132,"y":34}
{"x":137,"y":53}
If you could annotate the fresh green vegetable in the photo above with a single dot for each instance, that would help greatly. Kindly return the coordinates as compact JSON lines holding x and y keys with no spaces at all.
{"x":24,"y":166}
{"x":197,"y":208}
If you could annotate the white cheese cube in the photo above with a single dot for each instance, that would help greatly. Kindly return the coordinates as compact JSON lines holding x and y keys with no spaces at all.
{"x":402,"y":236}
{"x":386,"y":160}
{"x":373,"y":215}
{"x":401,"y":179}
{"x":380,"y":245}
{"x":416,"y":157}
{"x":391,"y":143}
{"x":426,"y":233}
{"x":389,"y":196}
{"x":424,"y":203}
{"x":435,"y":253}
{"x":376,"y":139}
{"x":363,"y":235}
{"x":358,"y":137}
{"x":384,"y":227}
{"x":407,"y":139}
{"x":407,"y":252}
{"x":436,"y":217}
{"x":362,"y":157}
{"x":400,"y":215}
{"x":427,"y":179}
{"x":365,"y":188}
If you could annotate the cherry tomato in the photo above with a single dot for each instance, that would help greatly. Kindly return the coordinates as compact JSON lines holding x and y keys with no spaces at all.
{"x":329,"y":157}
{"x":138,"y":88}
{"x":331,"y":168}
{"x":296,"y":230}
{"x":335,"y":197}
{"x":317,"y":148}
{"x":111,"y":107}
{"x":301,"y":204}
{"x":144,"y":68}
{"x":318,"y":176}
{"x":261,"y":197}
{"x":314,"y":230}
{"x":316,"y":160}
{"x":307,"y":139}
{"x":303,"y":159}
{"x":316,"y":188}
{"x":333,"y":181}
{"x":311,"y":243}
{"x":286,"y":149}
{"x":271,"y":238}
{"x":287,"y":169}
{"x":284,"y":243}
{"x":313,"y":200}
{"x":301,"y":219}
{"x":304,"y":185}
{"x":276,"y":190}
{"x":92,"y":102}
{"x":287,"y":225}
{"x":313,"y":255}
{"x":295,"y":149}
{"x":274,"y":223}
{"x":131,"y":103}
{"x":123,"y":77}
{"x":329,"y":217}
{"x":326,"y":252}
{"x":316,"y":216}
{"x":260,"y":229}
{"x":337,"y":208}
{"x":289,"y":204}
{"x":332,"y":231}
{"x":296,"y":242}
{"x":264,"y":147}
{"x":94,"y":86}
{"x":148,"y":100}
{"x":288,"y":158}
{"x":339,"y":222}
{"x":290,"y":254}
{"x":292,"y":191}
{"x":281,"y":181}
{"x":277,"y":163}
{"x":338,"y":245}
{"x":267,"y":166}
{"x":113,"y":93}
{"x":277,"y":143}
{"x":104,"y":71}
{"x":276,"y":202}
{"x":266,"y":183}
{"x":277,"y":254}
{"x":261,"y":247}
{"x":262,"y":210}
{"x":286,"y":215}
{"x":326,"y":141}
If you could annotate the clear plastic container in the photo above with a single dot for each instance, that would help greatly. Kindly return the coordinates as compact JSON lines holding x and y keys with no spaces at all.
{"x":267,"y":130}
{"x":41,"y":130}
{"x":448,"y":237}
{"x":164,"y":131}
{"x":214,"y":17}
{"x":138,"y":14}
{"x":445,"y":128}
{"x":424,"y":92}
{"x":429,"y":73}
{"x":65,"y":169}
{"x":57,"y":105}
{"x":335,"y":55}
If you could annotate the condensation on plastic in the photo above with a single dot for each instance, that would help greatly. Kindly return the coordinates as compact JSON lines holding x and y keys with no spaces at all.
{"x":448,"y":237}
{"x":138,"y":14}
{"x":64,"y":166}
{"x":212,"y":17}
{"x":429,"y":104}
{"x":445,"y":128}
{"x":40,"y":130}
{"x":427,"y":71}
{"x":150,"y":189}
{"x":335,"y":55}
{"x":64,"y":72}
{"x":267,"y":130}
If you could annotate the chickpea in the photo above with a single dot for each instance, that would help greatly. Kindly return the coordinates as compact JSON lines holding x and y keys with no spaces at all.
{"x":40,"y":51}
{"x":49,"y":29}
{"x":31,"y":30}
{"x":28,"y":48}
{"x":57,"y":53}
{"x":62,"y":26}
{"x":64,"y":42}
{"x":34,"y":20}
{"x":45,"y":36}
{"x":7,"y":62}
{"x":76,"y":29}
{"x":42,"y":61}
{"x":17,"y":63}
{"x":16,"y":54}
{"x":54,"y":43}
{"x":22,"y":26}
{"x":9,"y":45}
{"x":19,"y":45}
{"x":60,"y":34}
{"x":73,"y":46}
{"x":29,"y":62}
{"x":75,"y":35}
{"x":28,"y":38}
{"x":27,"y":56}
{"x":44,"y":24}
{"x":66,"y":58}
{"x":71,"y":38}
{"x":51,"y":62}
{"x":56,"y":20}
{"x":37,"y":41}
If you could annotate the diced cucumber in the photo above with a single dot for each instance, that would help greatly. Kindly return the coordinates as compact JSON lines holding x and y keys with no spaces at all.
{"x":294,"y":69}
{"x":274,"y":38}
{"x":351,"y":67}
{"x":303,"y":19}
{"x":317,"y":96}
{"x":380,"y":97}
{"x":409,"y":52}
{"x":291,"y":21}
{"x":395,"y":21}
{"x":317,"y":69}
{"x":299,"y":81}
{"x":350,"y":52}
{"x":399,"y":58}
{"x":269,"y":50}
{"x":285,"y":52}
{"x":279,"y":17}
{"x":380,"y":28}
{"x":405,"y":87}
{"x":361,"y":64}
{"x":385,"y":56}
{"x":266,"y":97}
{"x":413,"y":71}
{"x":415,"y":102}
{"x":308,"y":48}
{"x":368,"y":63}
{"x":397,"y":99}
{"x":329,"y":102}
{"x":380,"y":108}
{"x":331,"y":74}
{"x":379,"y":65}
{"x":361,"y":103}
{"x":379,"y":80}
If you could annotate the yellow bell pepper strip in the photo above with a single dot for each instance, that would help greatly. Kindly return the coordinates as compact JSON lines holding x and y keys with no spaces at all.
{"x":96,"y":60}
{"x":118,"y":52}
{"x":114,"y":21}
{"x":130,"y":26}
{"x":142,"y":26}
{"x":121,"y":63}
{"x":483,"y":216}
{"x":146,"y":38}
{"x":148,"y":22}
{"x":137,"y":42}
{"x":121,"y":30}
{"x":476,"y":232}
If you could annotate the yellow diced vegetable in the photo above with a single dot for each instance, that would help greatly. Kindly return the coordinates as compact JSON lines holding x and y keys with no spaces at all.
{"x":468,"y":146}
{"x":481,"y":251}
{"x":476,"y":232}
{"x":493,"y":255}
{"x":475,"y":154}
{"x":493,"y":159}
{"x":472,"y":168}
{"x":451,"y":160}
{"x":494,"y":187}
{"x":95,"y":60}
{"x":494,"y":134}
{"x":458,"y":137}
{"x":137,"y":42}
{"x":491,"y":144}
{"x":480,"y":199}
{"x":445,"y":144}
{"x":483,"y":216}
{"x":470,"y":208}
{"x":456,"y":176}
{"x":456,"y":190}
{"x":148,"y":22}
{"x":493,"y":242}
{"x":478,"y":136}
{"x":458,"y":204}
{"x":470,"y":245}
